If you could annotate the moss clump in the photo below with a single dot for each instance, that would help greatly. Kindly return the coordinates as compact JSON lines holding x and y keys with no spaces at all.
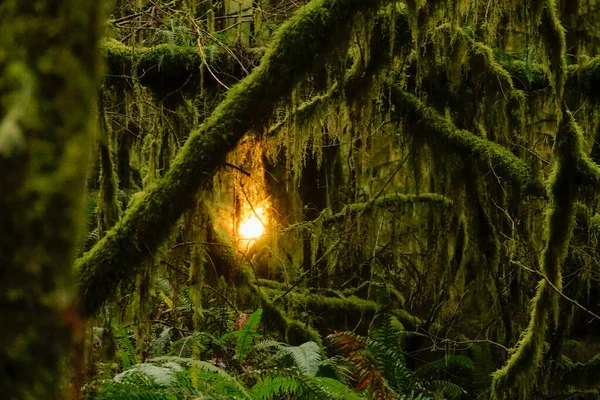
{"x":388,"y":202}
{"x":585,"y":79}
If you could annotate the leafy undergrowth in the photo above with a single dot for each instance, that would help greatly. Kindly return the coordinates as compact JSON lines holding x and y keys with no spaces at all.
{"x":242,"y":364}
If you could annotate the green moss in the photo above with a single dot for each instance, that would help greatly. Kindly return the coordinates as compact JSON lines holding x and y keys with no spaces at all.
{"x":484,"y":153}
{"x":582,"y":375}
{"x":50,"y":72}
{"x":388,"y":202}
{"x":269,"y":283}
{"x":518,"y":376}
{"x":109,"y":207}
{"x":294,"y":331}
{"x":380,"y":292}
{"x":332,"y":312}
{"x":410,"y":322}
{"x":164,"y":68}
{"x":584,"y":79}
{"x":317,"y":29}
{"x":527,"y":76}
{"x":460,"y":246}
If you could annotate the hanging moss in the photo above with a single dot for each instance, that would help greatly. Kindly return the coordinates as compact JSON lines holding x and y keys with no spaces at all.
{"x":486,"y":154}
{"x":518,"y":376}
{"x":553,"y":38}
{"x":318,"y":28}
{"x":388,"y":202}
{"x":109,"y":209}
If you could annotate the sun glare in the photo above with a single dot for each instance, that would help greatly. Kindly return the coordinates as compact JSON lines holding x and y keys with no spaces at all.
{"x":252,"y":226}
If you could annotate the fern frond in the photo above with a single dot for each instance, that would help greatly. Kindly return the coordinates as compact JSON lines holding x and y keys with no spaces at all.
{"x":126,"y":349}
{"x":303,"y":387}
{"x":161,"y":343}
{"x":205,"y":366}
{"x":368,"y":375}
{"x":336,"y":367}
{"x":267,"y":344}
{"x":447,"y":389}
{"x":247,"y":334}
{"x":163,"y":376}
{"x":305,"y":357}
{"x":484,"y":367}
{"x":446,"y":362}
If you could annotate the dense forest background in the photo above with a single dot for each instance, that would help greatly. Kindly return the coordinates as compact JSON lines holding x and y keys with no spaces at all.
{"x":291,"y":199}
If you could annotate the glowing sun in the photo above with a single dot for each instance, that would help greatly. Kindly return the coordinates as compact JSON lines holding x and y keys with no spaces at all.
{"x":252,"y":225}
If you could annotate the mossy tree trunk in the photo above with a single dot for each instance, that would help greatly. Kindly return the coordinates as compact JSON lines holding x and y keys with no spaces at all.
{"x":49,"y":79}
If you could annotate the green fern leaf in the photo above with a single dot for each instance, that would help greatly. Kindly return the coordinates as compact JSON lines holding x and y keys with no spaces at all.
{"x":303,"y":387}
{"x":306,"y":357}
{"x":247,"y":334}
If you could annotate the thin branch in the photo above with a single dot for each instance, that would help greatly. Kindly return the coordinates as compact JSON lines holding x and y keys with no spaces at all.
{"x":564,"y":296}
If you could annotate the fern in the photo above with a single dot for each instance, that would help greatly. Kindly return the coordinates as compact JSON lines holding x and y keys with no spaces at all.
{"x":484,"y":366}
{"x":161,"y":343}
{"x":247,"y":334}
{"x":205,"y":366}
{"x":336,"y":368}
{"x":306,"y":357}
{"x":447,"y":389}
{"x":443,"y":364}
{"x":126,"y":350}
{"x":184,"y":347}
{"x":302,"y":387}
{"x":171,"y":381}
{"x":163,"y":376}
{"x":368,"y":376}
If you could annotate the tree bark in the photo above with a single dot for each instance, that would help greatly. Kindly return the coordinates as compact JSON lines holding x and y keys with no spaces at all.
{"x":49,"y":79}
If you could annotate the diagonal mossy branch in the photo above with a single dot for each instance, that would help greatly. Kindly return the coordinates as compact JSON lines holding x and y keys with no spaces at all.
{"x":487,"y":154}
{"x":303,"y":42}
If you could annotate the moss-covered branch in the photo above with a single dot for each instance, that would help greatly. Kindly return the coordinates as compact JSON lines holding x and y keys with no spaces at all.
{"x":583,"y":374}
{"x":390,"y":201}
{"x":488,"y":155}
{"x":303,"y":42}
{"x":518,"y":376}
{"x":166,"y":68}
